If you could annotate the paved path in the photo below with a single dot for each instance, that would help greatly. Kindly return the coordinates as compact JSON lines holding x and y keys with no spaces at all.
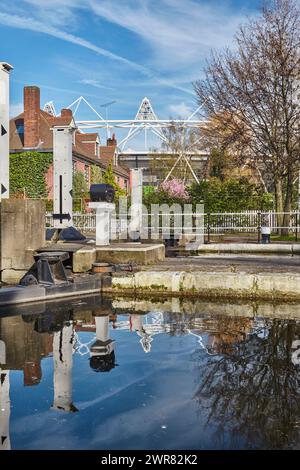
{"x":230,"y":263}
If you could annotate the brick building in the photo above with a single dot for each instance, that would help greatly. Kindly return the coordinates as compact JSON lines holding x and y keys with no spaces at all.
{"x":31,"y":131}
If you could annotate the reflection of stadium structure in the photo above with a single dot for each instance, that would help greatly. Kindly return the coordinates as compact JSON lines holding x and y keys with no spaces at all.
{"x":147,"y":326}
{"x":220,"y":332}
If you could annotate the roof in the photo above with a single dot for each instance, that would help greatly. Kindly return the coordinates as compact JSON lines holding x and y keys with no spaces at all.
{"x":81,"y":149}
{"x":107,"y":153}
{"x":88,"y":137}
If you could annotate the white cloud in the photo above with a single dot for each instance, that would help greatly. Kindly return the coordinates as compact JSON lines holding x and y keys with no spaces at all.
{"x":31,"y":24}
{"x":56,"y":12}
{"x":180,"y":110}
{"x":95,"y":83}
{"x":180,"y":33}
{"x":177,"y":34}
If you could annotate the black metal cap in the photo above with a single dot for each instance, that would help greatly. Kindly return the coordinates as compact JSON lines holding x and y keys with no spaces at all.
{"x":102,"y":193}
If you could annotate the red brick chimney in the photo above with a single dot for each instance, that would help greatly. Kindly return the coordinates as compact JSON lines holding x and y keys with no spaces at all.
{"x":112,"y":141}
{"x":66,"y":114}
{"x":31,"y":116}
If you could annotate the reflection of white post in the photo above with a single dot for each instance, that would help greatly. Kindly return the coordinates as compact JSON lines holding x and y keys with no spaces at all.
{"x":63,"y":175}
{"x":103,"y":215}
{"x":4,"y":410}
{"x":4,"y":401}
{"x":136,"y":324}
{"x":103,"y":344}
{"x":63,"y":363}
{"x":136,"y":210}
{"x":102,"y":328}
{"x":4,"y":129}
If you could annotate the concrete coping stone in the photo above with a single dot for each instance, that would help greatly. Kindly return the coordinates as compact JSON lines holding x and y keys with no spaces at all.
{"x":139,"y":248}
{"x":249,"y":248}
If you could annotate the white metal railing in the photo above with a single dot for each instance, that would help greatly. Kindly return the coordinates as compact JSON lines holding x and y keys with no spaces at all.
{"x":86,"y":222}
{"x":211,"y":223}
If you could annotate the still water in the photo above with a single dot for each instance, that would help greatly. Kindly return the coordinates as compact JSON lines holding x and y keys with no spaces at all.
{"x":95,"y":374}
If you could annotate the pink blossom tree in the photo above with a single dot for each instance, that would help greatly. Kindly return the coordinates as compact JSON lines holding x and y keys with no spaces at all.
{"x":175,"y":188}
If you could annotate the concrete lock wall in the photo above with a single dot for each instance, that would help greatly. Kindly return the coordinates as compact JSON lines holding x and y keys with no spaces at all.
{"x":22,"y":231}
{"x":212,"y":285}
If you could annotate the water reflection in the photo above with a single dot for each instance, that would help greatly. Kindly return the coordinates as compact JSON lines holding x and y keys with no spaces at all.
{"x":251,"y":386}
{"x":63,"y":342}
{"x":245,"y":385}
{"x":4,"y":401}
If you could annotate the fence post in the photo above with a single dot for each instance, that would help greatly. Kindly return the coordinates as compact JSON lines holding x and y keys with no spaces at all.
{"x":208,"y":227}
{"x":258,"y":226}
{"x":296,"y":231}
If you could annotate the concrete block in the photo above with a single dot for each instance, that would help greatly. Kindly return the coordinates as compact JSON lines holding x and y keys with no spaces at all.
{"x":12,"y":276}
{"x":22,"y":231}
{"x":83,"y":259}
{"x":131,"y":253}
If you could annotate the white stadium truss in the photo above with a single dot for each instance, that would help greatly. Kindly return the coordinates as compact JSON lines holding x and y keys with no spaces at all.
{"x":145,"y":121}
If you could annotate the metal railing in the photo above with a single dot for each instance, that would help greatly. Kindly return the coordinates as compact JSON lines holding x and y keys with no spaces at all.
{"x":85,"y":222}
{"x":214,"y":223}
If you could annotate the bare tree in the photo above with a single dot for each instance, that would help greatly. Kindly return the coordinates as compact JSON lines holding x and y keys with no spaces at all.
{"x":254,"y":92}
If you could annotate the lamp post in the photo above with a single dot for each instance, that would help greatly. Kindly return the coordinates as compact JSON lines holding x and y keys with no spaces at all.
{"x":106,"y":105}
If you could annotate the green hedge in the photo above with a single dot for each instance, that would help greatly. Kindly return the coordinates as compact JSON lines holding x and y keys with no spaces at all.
{"x":231,"y":195}
{"x":27,"y":173}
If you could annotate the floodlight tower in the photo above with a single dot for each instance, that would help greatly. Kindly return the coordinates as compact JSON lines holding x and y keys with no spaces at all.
{"x":106,"y":106}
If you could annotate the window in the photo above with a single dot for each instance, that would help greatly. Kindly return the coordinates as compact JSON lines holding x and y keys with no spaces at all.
{"x":20,"y":126}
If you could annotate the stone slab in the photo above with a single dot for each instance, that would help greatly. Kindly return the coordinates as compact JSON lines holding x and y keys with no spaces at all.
{"x":272,"y":248}
{"x":83,"y":259}
{"x":131,"y":253}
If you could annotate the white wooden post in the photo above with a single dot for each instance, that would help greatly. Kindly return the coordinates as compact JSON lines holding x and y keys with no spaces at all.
{"x":63,"y":175}
{"x":136,"y":209}
{"x":103,"y":218}
{"x":4,"y":129}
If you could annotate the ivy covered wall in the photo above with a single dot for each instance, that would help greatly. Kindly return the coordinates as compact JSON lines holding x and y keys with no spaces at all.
{"x":27,"y":174}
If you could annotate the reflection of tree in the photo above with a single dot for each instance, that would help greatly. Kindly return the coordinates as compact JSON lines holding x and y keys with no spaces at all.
{"x":251,"y":392}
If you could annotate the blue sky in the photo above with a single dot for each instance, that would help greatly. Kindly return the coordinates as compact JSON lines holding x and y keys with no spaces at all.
{"x":118,"y":50}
